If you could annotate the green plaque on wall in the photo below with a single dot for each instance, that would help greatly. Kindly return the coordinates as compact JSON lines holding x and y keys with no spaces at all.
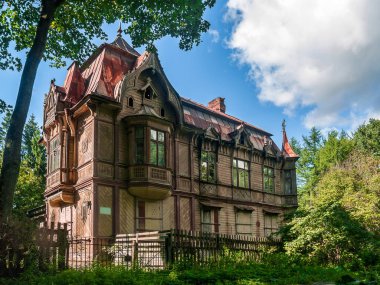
{"x":105,"y":210}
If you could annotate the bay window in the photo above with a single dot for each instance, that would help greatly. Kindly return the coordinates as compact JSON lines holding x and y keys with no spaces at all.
{"x":157,"y":148}
{"x":139,"y":136}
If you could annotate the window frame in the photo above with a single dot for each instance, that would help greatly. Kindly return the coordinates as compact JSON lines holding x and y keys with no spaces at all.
{"x":236,"y":170}
{"x":157,"y":143}
{"x":267,"y":178}
{"x":270,"y":230}
{"x":288,"y":181}
{"x":206,"y":177}
{"x":141,"y":220}
{"x":149,"y":88}
{"x":237,"y":211}
{"x":214,"y":223}
{"x":140,"y":146}
{"x":54,"y":153}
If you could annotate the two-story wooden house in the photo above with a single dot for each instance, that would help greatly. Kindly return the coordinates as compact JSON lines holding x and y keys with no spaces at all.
{"x":127,"y":154}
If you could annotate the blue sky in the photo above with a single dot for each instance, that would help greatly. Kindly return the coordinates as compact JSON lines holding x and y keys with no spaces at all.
{"x":269,"y":62}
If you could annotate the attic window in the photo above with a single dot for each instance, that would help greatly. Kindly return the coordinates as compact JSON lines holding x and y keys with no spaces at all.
{"x":162,"y":112}
{"x":130,"y":102}
{"x":149,"y":93}
{"x":241,"y":140}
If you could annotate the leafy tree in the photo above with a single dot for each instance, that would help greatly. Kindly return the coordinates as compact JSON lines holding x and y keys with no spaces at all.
{"x":306,"y":170}
{"x":57,"y":29}
{"x":3,"y":106}
{"x":342,"y":224}
{"x":4,"y":126}
{"x":335,"y":149}
{"x":367,"y":137}
{"x":29,"y":191}
{"x":31,"y":181}
{"x":33,"y":153}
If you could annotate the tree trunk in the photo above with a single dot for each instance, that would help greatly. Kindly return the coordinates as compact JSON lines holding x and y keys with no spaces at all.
{"x":12,"y":156}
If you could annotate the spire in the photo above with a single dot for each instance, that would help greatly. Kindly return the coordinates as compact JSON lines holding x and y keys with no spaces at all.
{"x":122,"y":44}
{"x":283,"y":125}
{"x":287,"y":150}
{"x":119,"y":31}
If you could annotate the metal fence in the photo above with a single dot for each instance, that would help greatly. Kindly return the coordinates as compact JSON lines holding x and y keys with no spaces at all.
{"x":159,"y":250}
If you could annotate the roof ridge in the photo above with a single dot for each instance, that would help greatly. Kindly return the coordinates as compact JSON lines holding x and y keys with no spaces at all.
{"x":190,"y":101}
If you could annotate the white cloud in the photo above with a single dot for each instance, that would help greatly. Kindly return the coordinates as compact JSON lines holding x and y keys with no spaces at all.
{"x":214,"y":35}
{"x":324,"y":55}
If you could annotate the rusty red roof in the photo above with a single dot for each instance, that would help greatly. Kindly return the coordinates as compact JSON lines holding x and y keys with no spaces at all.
{"x":286,"y":147}
{"x":202,"y":117}
{"x":104,"y":70}
{"x":191,"y":102}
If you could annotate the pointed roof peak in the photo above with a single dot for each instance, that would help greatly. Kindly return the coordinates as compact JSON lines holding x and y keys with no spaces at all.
{"x":287,"y":149}
{"x":122,"y":44}
{"x":283,"y":125}
{"x":119,"y":31}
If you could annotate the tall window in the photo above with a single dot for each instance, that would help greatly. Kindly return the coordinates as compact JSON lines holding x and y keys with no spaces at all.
{"x":268,"y":179}
{"x":208,"y":166}
{"x":288,"y":182}
{"x":210,"y":220}
{"x":270,"y":224}
{"x":240,"y":173}
{"x":157,"y":148}
{"x":243,"y":222}
{"x":139,"y":145}
{"x":55,"y":154}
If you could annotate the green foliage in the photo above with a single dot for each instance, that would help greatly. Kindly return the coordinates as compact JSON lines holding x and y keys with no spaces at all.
{"x":367,"y":136}
{"x":77,"y":23}
{"x":334,"y":150}
{"x":342,"y":223}
{"x":318,"y":155}
{"x":16,"y":243}
{"x":338,"y":220}
{"x":5,"y":125}
{"x":33,"y":153}
{"x":276,"y":269}
{"x":31,"y":182}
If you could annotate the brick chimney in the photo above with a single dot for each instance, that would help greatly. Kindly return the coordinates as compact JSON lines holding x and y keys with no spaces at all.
{"x":217,"y":105}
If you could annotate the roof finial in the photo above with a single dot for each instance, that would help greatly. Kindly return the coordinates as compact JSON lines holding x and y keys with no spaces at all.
{"x":119,"y":31}
{"x":283,"y":125}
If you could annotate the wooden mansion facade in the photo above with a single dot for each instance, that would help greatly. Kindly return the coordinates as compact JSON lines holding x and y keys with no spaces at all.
{"x":127,"y":154}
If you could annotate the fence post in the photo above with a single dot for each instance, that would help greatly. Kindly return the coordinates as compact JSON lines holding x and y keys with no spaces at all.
{"x":62,"y":243}
{"x":135,"y":253}
{"x":168,"y":249}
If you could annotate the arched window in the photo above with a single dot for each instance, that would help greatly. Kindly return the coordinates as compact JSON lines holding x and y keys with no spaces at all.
{"x":149,"y":93}
{"x":130,"y":102}
{"x":162,"y":112}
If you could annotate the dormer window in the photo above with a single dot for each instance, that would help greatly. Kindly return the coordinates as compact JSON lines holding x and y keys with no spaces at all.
{"x":241,"y":140}
{"x":130,"y":102}
{"x":149,"y":93}
{"x":162,"y":111}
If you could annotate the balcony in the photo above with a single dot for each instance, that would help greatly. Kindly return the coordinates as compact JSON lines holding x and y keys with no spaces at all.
{"x":149,"y":182}
{"x":290,"y":200}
